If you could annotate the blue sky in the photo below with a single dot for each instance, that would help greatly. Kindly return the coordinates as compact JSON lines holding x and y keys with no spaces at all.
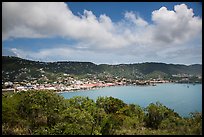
{"x":104,"y":32}
{"x":118,"y":8}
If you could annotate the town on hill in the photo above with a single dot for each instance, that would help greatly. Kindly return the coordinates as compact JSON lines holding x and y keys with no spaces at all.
{"x":21,"y":74}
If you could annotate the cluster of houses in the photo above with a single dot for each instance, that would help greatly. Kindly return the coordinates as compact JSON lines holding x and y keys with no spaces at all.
{"x":76,"y":85}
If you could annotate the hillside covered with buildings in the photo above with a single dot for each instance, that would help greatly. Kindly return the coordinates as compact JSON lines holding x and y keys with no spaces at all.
{"x":17,"y":72}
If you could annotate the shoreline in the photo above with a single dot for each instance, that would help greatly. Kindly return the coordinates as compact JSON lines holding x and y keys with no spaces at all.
{"x":76,"y":89}
{"x":94,"y":88}
{"x":81,"y":90}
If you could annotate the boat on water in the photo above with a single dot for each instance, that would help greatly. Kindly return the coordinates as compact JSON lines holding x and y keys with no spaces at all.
{"x":153,"y":84}
{"x":187,"y":86}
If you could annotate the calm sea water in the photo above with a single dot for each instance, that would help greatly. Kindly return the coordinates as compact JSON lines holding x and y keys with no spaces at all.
{"x":179,"y":97}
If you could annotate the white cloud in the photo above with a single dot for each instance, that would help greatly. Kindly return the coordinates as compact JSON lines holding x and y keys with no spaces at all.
{"x":176,"y":26}
{"x":38,"y":20}
{"x":132,"y":37}
{"x":137,"y":20}
{"x":33,"y":19}
{"x":69,"y":54}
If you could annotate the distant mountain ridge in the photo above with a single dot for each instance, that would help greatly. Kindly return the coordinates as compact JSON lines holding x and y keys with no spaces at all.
{"x":14,"y":69}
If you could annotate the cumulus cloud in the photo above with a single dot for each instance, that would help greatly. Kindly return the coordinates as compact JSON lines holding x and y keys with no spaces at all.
{"x":33,"y":20}
{"x":69,"y":54}
{"x":39,"y":20}
{"x":100,"y":36}
{"x":176,"y":26}
{"x":137,"y":20}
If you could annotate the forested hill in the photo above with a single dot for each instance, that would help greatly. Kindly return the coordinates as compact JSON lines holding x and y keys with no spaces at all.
{"x":15,"y":69}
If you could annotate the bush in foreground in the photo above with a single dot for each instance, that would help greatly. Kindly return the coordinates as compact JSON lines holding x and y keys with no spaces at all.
{"x":47,"y":113}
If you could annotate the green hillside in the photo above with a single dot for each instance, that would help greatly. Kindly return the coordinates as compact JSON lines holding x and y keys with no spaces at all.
{"x":17,"y":69}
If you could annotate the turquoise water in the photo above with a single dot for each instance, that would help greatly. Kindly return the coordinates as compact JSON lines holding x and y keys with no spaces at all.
{"x":179,"y":97}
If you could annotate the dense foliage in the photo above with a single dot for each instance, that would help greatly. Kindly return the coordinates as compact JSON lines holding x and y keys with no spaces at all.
{"x":17,"y":69}
{"x":45,"y":112}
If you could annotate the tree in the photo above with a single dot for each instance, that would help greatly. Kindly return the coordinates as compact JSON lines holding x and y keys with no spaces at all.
{"x":112,"y":123}
{"x":74,"y":122}
{"x":110,"y":104}
{"x":40,"y":108}
{"x":155,"y":113}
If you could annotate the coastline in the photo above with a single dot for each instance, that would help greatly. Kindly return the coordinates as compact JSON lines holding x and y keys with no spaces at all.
{"x":91,"y":86}
{"x":94,"y":88}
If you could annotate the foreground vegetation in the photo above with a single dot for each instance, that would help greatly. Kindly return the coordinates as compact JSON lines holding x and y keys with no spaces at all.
{"x":45,"y":112}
